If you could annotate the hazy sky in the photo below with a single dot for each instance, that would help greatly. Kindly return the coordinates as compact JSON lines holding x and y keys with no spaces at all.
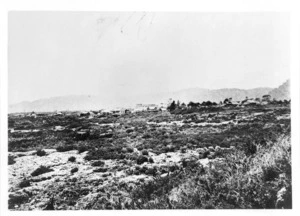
{"x":118,"y":53}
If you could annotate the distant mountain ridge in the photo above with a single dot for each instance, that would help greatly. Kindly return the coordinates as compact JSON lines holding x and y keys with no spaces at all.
{"x":85,"y":102}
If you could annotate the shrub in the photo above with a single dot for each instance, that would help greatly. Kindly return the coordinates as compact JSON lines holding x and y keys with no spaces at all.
{"x":40,"y":152}
{"x":11,"y":160}
{"x":41,"y":170}
{"x":98,"y":163}
{"x":145,"y":152}
{"x":64,"y":148}
{"x":129,"y":149}
{"x":102,"y":169}
{"x":141,"y":159}
{"x":82,"y":149}
{"x":82,"y":136}
{"x":72,"y":159}
{"x":270,"y":173}
{"x":24,"y":183}
{"x":151,"y":160}
{"x":74,"y":170}
{"x":105,"y":153}
{"x":250,"y":148}
{"x":146,"y":136}
{"x":151,"y":171}
{"x":11,"y":123}
{"x":157,"y":189}
{"x":17,"y":199}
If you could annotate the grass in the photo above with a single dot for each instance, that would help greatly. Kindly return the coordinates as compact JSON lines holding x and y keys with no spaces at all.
{"x":239,"y":181}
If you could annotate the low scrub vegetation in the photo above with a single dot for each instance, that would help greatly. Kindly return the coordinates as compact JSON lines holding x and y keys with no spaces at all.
{"x":64,"y":148}
{"x":74,"y":170}
{"x":40,"y":152}
{"x":11,"y":160}
{"x":72,"y":159}
{"x":194,"y":156}
{"x":237,"y":181}
{"x":98,"y":163}
{"x":41,"y":170}
{"x":25,"y":183}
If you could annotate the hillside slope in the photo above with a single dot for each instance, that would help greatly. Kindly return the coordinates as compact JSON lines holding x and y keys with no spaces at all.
{"x":282,"y":92}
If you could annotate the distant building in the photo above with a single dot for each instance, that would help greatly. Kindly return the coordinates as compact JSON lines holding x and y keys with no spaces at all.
{"x":251,"y":102}
{"x":126,"y":111}
{"x":153,"y":109}
{"x":33,"y":114}
{"x":163,"y":109}
{"x":116,"y":112}
{"x":266,"y":98}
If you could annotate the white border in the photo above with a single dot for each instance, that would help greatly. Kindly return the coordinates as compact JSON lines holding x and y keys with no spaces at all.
{"x":156,"y":5}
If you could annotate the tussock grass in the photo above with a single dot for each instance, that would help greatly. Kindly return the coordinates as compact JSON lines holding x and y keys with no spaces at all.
{"x":238,"y":181}
{"x":277,"y":155}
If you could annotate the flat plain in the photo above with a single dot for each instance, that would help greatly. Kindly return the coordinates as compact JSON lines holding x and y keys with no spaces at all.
{"x":201,"y":157}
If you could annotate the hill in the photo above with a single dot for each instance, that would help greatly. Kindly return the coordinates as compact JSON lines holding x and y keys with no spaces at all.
{"x":87,"y":102}
{"x":282,"y":92}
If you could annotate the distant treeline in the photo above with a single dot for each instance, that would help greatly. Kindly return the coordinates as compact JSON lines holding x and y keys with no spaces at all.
{"x":182,"y":108}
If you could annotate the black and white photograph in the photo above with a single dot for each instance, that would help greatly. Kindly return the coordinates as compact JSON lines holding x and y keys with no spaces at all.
{"x":136,"y":110}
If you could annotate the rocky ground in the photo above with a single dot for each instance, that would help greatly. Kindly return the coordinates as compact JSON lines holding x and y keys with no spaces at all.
{"x":114,"y":173}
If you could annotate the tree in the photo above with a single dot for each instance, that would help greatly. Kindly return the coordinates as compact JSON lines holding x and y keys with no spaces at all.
{"x":226,"y":101}
{"x":207,"y":103}
{"x":172,"y":106}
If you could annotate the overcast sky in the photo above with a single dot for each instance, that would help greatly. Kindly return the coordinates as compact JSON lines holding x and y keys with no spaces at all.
{"x":95,"y":53}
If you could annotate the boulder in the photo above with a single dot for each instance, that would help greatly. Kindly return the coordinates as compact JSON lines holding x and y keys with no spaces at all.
{"x":124,"y":150}
{"x":211,"y":148}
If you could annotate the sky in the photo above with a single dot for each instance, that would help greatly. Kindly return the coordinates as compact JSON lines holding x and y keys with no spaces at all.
{"x":134,"y":53}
